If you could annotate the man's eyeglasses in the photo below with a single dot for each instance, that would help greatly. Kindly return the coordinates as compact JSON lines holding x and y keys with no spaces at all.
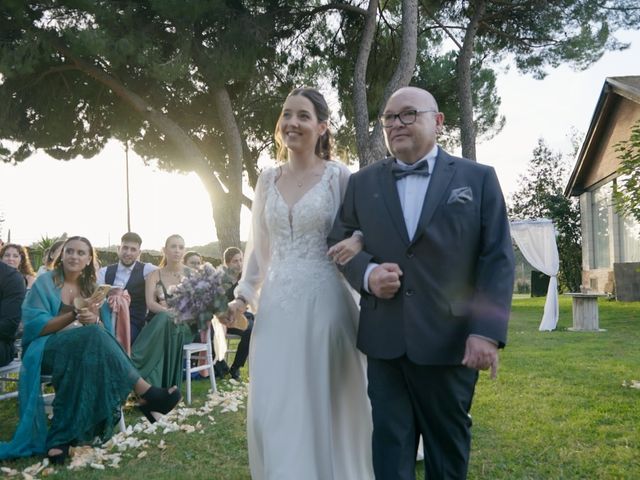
{"x":406,"y":117}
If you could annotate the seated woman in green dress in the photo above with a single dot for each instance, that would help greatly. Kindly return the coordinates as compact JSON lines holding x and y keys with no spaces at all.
{"x":90,"y":372}
{"x":157,"y":352}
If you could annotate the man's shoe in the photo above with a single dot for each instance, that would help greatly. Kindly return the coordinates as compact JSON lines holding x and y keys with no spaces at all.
{"x":235,"y":374}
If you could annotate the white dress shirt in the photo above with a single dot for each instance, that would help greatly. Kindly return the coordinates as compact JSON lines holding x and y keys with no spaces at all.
{"x":123,"y":273}
{"x":412,"y":191}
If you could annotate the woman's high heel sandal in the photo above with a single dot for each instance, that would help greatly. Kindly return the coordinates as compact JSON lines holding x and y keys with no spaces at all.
{"x":159,"y":401}
{"x":59,"y":458}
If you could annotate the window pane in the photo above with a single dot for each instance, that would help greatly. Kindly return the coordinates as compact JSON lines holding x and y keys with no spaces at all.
{"x":601,"y":199}
{"x":630,"y":240}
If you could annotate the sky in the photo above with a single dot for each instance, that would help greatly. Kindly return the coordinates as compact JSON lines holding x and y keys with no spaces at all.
{"x":46,"y":197}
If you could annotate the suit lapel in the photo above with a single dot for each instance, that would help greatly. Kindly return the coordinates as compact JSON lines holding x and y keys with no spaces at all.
{"x":440,"y":178}
{"x":390,"y":194}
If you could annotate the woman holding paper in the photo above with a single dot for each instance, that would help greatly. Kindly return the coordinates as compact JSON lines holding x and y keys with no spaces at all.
{"x":90,"y":373}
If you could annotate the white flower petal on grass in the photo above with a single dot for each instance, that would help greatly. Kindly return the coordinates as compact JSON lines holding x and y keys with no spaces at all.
{"x":9,"y":472}
{"x":142,"y":454}
{"x":631,"y":384}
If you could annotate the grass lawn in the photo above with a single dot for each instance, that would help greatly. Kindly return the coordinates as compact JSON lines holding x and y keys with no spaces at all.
{"x":558,"y":410}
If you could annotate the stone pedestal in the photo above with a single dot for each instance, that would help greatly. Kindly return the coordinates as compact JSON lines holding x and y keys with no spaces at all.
{"x":585,"y":312}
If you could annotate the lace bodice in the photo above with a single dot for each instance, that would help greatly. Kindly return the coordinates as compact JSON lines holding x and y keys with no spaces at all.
{"x":300,"y":232}
{"x":292,"y":238}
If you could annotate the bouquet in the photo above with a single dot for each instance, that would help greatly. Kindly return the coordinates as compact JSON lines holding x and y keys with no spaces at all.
{"x":200,"y":295}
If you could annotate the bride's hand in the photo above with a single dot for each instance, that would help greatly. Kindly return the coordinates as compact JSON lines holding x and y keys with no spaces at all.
{"x":343,"y":251}
{"x":234,"y":308}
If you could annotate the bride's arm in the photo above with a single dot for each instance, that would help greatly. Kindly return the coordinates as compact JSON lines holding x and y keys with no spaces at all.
{"x":344,"y":250}
{"x":257,"y":251}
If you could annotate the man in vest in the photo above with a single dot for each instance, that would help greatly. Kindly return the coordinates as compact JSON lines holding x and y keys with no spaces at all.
{"x":130,"y":274}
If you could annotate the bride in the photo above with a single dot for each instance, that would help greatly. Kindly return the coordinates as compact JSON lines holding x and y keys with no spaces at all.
{"x":308,"y":415}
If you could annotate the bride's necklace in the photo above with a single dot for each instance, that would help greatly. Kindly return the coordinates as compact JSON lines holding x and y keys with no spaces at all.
{"x":300,"y":179}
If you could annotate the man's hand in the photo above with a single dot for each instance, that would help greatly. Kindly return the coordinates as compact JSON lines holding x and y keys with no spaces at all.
{"x":481,"y":354}
{"x":384,"y":280}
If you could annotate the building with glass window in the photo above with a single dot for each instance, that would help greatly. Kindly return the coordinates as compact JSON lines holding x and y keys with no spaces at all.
{"x":610,"y":243}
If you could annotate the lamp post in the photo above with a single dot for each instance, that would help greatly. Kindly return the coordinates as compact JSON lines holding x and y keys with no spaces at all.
{"x":126,"y":160}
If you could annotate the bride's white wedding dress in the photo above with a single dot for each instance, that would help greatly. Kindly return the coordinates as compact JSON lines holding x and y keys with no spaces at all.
{"x":308,"y":413}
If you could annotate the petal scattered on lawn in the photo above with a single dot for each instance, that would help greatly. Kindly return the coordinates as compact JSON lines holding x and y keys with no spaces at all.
{"x":631,"y":384}
{"x":110,"y":454}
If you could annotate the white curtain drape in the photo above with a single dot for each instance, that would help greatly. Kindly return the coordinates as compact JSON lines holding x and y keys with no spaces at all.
{"x":536,"y":239}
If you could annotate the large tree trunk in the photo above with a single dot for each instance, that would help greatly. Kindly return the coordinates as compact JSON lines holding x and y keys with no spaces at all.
{"x":371,"y":145}
{"x":227,"y":214}
{"x":467,"y":124}
{"x":363,"y":141}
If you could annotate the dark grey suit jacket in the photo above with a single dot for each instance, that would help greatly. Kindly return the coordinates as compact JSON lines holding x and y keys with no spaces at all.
{"x":457,"y":270}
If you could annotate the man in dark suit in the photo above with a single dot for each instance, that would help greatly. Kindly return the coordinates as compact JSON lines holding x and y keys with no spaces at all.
{"x":130,"y":274}
{"x":435,"y":278}
{"x":12,"y":292}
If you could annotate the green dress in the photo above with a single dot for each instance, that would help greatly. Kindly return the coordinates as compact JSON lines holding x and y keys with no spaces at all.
{"x":92,"y":377}
{"x":157,"y":352}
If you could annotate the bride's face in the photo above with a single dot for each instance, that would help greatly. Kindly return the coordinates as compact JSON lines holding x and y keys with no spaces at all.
{"x":299,"y":126}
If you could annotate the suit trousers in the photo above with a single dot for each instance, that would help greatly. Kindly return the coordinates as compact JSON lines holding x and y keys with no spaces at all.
{"x":409,"y":400}
{"x":7,"y":352}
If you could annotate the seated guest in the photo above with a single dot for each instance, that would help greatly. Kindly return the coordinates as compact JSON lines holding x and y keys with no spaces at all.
{"x":12,"y":291}
{"x":49,"y":257}
{"x":130,"y":274}
{"x":90,"y":373}
{"x":192,"y":260}
{"x":233,"y":259}
{"x":16,"y":256}
{"x":157,"y":352}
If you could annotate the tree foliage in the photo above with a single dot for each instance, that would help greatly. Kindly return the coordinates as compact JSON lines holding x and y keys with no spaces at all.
{"x":626,"y":193}
{"x":193,"y":85}
{"x":540,"y":195}
{"x":533,"y":34}
{"x":198,"y":85}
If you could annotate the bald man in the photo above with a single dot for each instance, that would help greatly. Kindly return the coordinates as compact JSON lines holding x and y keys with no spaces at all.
{"x":435,"y":278}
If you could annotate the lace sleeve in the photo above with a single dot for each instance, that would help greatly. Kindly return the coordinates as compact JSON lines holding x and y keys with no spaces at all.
{"x":338,"y":183}
{"x":257,"y":250}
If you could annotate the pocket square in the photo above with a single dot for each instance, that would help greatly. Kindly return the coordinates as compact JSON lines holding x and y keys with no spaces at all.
{"x":460,"y":195}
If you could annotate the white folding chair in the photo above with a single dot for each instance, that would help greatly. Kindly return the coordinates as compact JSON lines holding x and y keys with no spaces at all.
{"x":234,"y":349}
{"x":9,"y":373}
{"x":191,"y":349}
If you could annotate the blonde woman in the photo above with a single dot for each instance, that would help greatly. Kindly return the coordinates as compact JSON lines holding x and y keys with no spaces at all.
{"x":157,"y":351}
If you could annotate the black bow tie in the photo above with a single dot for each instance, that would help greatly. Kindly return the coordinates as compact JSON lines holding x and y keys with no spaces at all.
{"x":421,"y":168}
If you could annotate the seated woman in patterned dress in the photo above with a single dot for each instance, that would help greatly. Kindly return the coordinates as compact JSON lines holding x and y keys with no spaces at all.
{"x":90,"y":372}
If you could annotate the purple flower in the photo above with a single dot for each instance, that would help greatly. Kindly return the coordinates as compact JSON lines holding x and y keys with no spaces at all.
{"x":204,"y":291}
